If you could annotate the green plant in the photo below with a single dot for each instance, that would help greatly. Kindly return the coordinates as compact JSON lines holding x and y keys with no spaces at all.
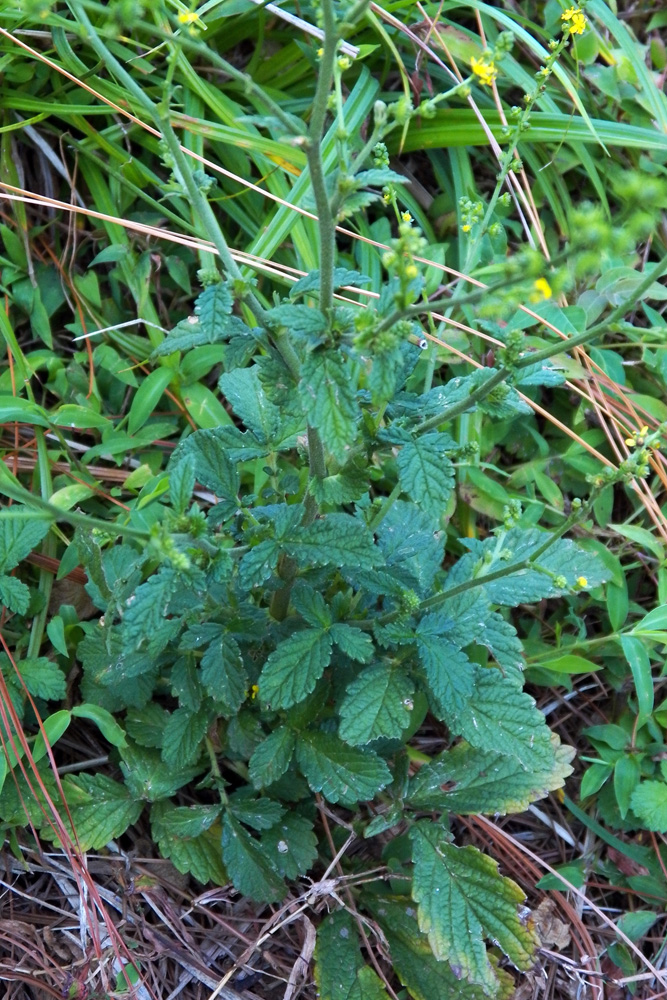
{"x":274,"y":652}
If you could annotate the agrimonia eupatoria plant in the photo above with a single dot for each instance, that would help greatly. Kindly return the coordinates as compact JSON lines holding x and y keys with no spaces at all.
{"x":276,"y":651}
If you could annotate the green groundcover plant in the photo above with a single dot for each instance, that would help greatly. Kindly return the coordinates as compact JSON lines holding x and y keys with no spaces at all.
{"x":287,"y":602}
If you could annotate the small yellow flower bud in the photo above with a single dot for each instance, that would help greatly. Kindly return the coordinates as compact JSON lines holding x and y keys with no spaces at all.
{"x":582,"y":581}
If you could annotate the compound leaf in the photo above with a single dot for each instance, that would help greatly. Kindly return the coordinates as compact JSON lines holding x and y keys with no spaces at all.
{"x":14,"y":594}
{"x":20,"y":531}
{"x":291,"y":845}
{"x":101,"y":809}
{"x":340,"y":973}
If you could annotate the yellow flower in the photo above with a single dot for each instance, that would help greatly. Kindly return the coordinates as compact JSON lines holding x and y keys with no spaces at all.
{"x":582,"y":581}
{"x":254,"y":691}
{"x":577,"y":20}
{"x":411,"y":271}
{"x":542,"y":290}
{"x":320,"y":53}
{"x":466,"y":228}
{"x":486,"y":71}
{"x":188,"y":17}
{"x":406,"y":217}
{"x":643,"y":431}
{"x":630,"y":442}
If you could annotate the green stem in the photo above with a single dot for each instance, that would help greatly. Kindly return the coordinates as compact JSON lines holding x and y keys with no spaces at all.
{"x":326,"y":224}
{"x":386,"y":506}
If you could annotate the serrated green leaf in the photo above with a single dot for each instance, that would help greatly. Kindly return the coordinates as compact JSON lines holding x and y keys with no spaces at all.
{"x":144,"y":626}
{"x":463,"y":900}
{"x":291,"y":845}
{"x":353,"y":642}
{"x":466,"y":780}
{"x":328,"y":394}
{"x":501,"y":717}
{"x":258,"y":564}
{"x":214,"y":465}
{"x":378,"y":703}
{"x":425,"y":473}
{"x":244,"y":391}
{"x":247,"y":865}
{"x":101,"y":809}
{"x":181,"y":485}
{"x":649,"y":803}
{"x":340,"y":488}
{"x":339,"y":970}
{"x":335,"y":540}
{"x":43,"y":678}
{"x":187,"y":821}
{"x":183,"y":735}
{"x":14,"y":594}
{"x":449,"y":672}
{"x":271,"y":758}
{"x":148,"y":777}
{"x":298,"y":319}
{"x":191,"y":843}
{"x":223,"y":673}
{"x":311,"y":606}
{"x":415,"y":964}
{"x":213,"y":307}
{"x":342,"y":276}
{"x":146,"y":725}
{"x":259,"y":813}
{"x":294,"y":668}
{"x":342,"y":773}
{"x":20,"y":532}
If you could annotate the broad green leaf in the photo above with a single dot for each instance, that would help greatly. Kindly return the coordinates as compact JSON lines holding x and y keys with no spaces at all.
{"x":414,"y":962}
{"x":294,"y":668}
{"x":187,"y":821}
{"x":649,"y":803}
{"x":426,"y":474}
{"x":449,"y":672}
{"x":101,"y":809}
{"x":223,"y":673}
{"x":247,"y":865}
{"x":340,"y":973}
{"x":311,"y":606}
{"x":627,"y":773}
{"x":258,"y":564}
{"x":378,"y":703}
{"x":214,"y":463}
{"x":340,"y":772}
{"x":463,"y":900}
{"x":52,"y":728}
{"x":144,"y":622}
{"x":567,"y":664}
{"x":291,"y":845}
{"x":299,"y":319}
{"x":56,"y":633}
{"x":328,"y":395}
{"x":637,"y":656}
{"x":148,"y":777}
{"x":104,"y":721}
{"x":181,"y":485}
{"x":467,"y":780}
{"x":654,"y":621}
{"x":272,"y":757}
{"x":353,"y":642}
{"x":335,"y":540}
{"x":342,"y":276}
{"x":244,"y":391}
{"x":14,"y":594}
{"x":82,"y":417}
{"x":198,"y":854}
{"x":147,"y":397}
{"x":501,"y":717}
{"x":146,"y":725}
{"x":183,"y":735}
{"x":24,"y":411}
{"x":259,"y":813}
{"x":43,"y":678}
{"x":20,"y":532}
